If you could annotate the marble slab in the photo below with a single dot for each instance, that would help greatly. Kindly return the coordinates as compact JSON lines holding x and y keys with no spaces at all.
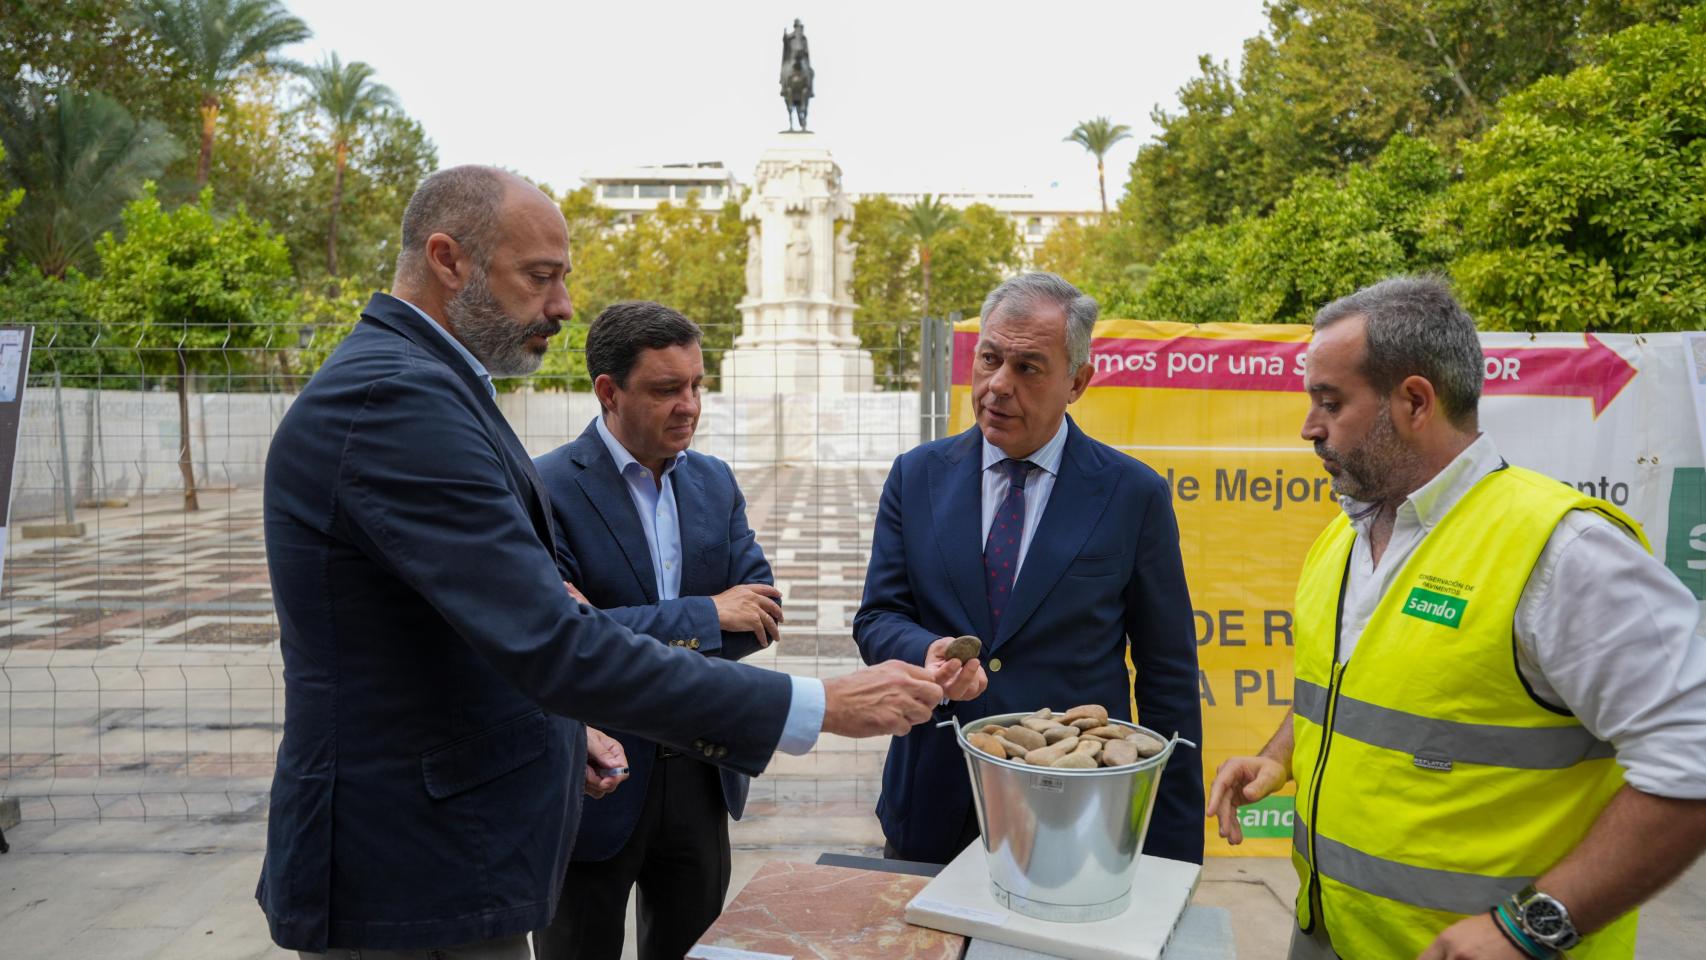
{"x":958,"y":901}
{"x":806,"y":910}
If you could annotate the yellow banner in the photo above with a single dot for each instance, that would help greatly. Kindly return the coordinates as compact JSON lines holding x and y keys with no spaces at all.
{"x":1216,"y":410}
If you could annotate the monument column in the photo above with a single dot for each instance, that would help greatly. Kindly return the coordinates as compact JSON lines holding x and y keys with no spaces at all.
{"x":797,"y":318}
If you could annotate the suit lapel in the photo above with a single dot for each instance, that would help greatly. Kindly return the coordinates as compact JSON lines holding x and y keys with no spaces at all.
{"x":956,"y":493}
{"x":608,"y":493}
{"x":1079,"y":497}
{"x":694,"y":521}
{"x":399,"y":316}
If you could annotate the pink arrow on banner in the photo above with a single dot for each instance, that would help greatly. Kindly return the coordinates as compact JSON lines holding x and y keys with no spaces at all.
{"x":1598,"y":372}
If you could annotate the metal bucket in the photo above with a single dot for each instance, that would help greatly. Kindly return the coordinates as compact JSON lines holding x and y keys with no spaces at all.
{"x":1062,"y":844}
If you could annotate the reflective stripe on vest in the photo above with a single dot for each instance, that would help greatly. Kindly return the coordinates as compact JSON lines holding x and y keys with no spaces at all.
{"x":1523,"y":748}
{"x":1431,"y":784}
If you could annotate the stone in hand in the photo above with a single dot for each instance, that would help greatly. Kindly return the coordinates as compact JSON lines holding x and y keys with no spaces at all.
{"x":963,"y":649}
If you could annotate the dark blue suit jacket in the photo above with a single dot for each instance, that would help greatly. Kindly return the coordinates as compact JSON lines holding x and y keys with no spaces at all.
{"x":601,"y":548}
{"x":428,"y":783}
{"x":1103,"y":574}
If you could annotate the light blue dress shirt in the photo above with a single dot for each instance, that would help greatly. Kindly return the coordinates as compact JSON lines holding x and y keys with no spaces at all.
{"x":1039,"y":483}
{"x":654,"y":501}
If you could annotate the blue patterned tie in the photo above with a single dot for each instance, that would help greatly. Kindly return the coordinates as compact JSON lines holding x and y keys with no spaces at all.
{"x":1001,"y":550}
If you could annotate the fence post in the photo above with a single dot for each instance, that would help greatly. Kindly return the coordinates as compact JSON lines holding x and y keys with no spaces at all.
{"x":64,"y":453}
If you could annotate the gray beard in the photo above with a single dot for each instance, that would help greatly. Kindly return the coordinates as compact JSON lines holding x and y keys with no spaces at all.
{"x":495,"y":338}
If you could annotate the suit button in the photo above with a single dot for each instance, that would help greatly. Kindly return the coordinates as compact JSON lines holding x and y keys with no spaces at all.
{"x":722,"y":752}
{"x":711,"y":751}
{"x":995,"y":666}
{"x":699,"y":745}
{"x":693,"y":644}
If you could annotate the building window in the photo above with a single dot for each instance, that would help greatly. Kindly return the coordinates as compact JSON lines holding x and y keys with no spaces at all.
{"x":654,"y":191}
{"x":1034,"y":227}
{"x":714,"y":191}
{"x":617,"y":191}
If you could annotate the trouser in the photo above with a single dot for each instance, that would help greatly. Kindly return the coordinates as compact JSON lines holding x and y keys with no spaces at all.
{"x":1311,"y":946}
{"x":505,"y":948}
{"x":968,"y":833}
{"x":678,"y":857}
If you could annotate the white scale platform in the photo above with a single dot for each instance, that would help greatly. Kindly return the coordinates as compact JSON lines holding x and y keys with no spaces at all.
{"x":958,"y":900}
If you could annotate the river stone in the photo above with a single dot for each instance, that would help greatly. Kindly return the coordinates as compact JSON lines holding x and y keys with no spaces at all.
{"x":1076,"y":761}
{"x":1088,"y":723}
{"x":1057,"y":734}
{"x":1147,"y":746}
{"x":988,"y":744}
{"x":1118,"y":753}
{"x":1023,"y":737}
{"x":1086,"y":711}
{"x":1107,"y":732}
{"x":1048,"y":755}
{"x":964,"y":648}
{"x":1088,"y":747}
{"x":1043,"y":714}
{"x":1040,"y":724}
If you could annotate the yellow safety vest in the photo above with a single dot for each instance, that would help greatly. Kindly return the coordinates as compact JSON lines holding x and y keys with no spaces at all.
{"x":1431,"y":783}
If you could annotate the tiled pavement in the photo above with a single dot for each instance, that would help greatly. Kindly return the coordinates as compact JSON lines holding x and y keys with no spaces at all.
{"x":141,"y":702}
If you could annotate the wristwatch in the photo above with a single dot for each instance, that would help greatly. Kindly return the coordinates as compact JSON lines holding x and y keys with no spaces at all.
{"x":1544,"y":919}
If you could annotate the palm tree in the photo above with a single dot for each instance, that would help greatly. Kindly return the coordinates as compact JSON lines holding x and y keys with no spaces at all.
{"x":80,"y":157}
{"x":926,"y":220}
{"x":219,"y":40}
{"x":1099,"y":136}
{"x":347,"y":96}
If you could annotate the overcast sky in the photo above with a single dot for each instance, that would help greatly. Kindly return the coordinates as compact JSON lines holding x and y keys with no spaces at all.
{"x":916,"y":95}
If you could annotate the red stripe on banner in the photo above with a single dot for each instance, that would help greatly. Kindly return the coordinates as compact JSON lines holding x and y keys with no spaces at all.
{"x":1593,"y":371}
{"x":1182,"y":363}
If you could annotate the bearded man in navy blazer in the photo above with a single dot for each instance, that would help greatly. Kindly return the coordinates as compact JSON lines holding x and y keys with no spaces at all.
{"x":1060,"y":553}
{"x":436,"y":672}
{"x":655,"y":535}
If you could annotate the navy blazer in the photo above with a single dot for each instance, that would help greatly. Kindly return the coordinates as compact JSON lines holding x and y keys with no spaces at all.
{"x":424,"y":794}
{"x":596,"y":520}
{"x":1103,"y":575}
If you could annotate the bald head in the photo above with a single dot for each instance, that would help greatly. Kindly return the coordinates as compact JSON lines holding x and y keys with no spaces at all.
{"x":465,"y":203}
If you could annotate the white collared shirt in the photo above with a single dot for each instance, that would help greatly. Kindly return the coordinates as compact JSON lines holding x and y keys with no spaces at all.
{"x":455,"y":344}
{"x":1603,"y":629}
{"x":1039,"y":483}
{"x":655,"y":502}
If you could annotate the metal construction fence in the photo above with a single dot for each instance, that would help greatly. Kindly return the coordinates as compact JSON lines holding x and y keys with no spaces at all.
{"x":140,"y":673}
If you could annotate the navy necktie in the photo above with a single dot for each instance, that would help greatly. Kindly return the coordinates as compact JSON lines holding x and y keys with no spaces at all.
{"x":1001,"y":550}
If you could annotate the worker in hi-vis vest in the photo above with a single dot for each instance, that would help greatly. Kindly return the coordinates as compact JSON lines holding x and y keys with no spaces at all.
{"x":1499,"y":726}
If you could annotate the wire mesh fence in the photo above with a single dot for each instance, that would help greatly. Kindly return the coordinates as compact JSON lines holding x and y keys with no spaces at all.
{"x":140,"y":671}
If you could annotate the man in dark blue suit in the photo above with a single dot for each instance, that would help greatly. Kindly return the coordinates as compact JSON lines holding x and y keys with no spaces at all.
{"x":429,"y":775}
{"x":1059,"y":552}
{"x":678,"y":562}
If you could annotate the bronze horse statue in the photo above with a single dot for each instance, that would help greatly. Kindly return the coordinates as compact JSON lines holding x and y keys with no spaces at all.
{"x":796,"y":75}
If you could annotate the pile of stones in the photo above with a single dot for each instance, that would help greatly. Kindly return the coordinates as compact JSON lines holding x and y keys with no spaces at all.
{"x":1079,"y":739}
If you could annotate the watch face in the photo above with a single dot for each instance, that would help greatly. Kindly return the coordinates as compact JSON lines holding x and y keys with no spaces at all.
{"x":1544,"y":917}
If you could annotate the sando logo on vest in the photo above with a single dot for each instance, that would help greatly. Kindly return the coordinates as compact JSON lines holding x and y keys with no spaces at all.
{"x":1424,"y":604}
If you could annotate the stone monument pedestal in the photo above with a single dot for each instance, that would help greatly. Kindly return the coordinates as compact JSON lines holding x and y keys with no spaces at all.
{"x":797,"y":318}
